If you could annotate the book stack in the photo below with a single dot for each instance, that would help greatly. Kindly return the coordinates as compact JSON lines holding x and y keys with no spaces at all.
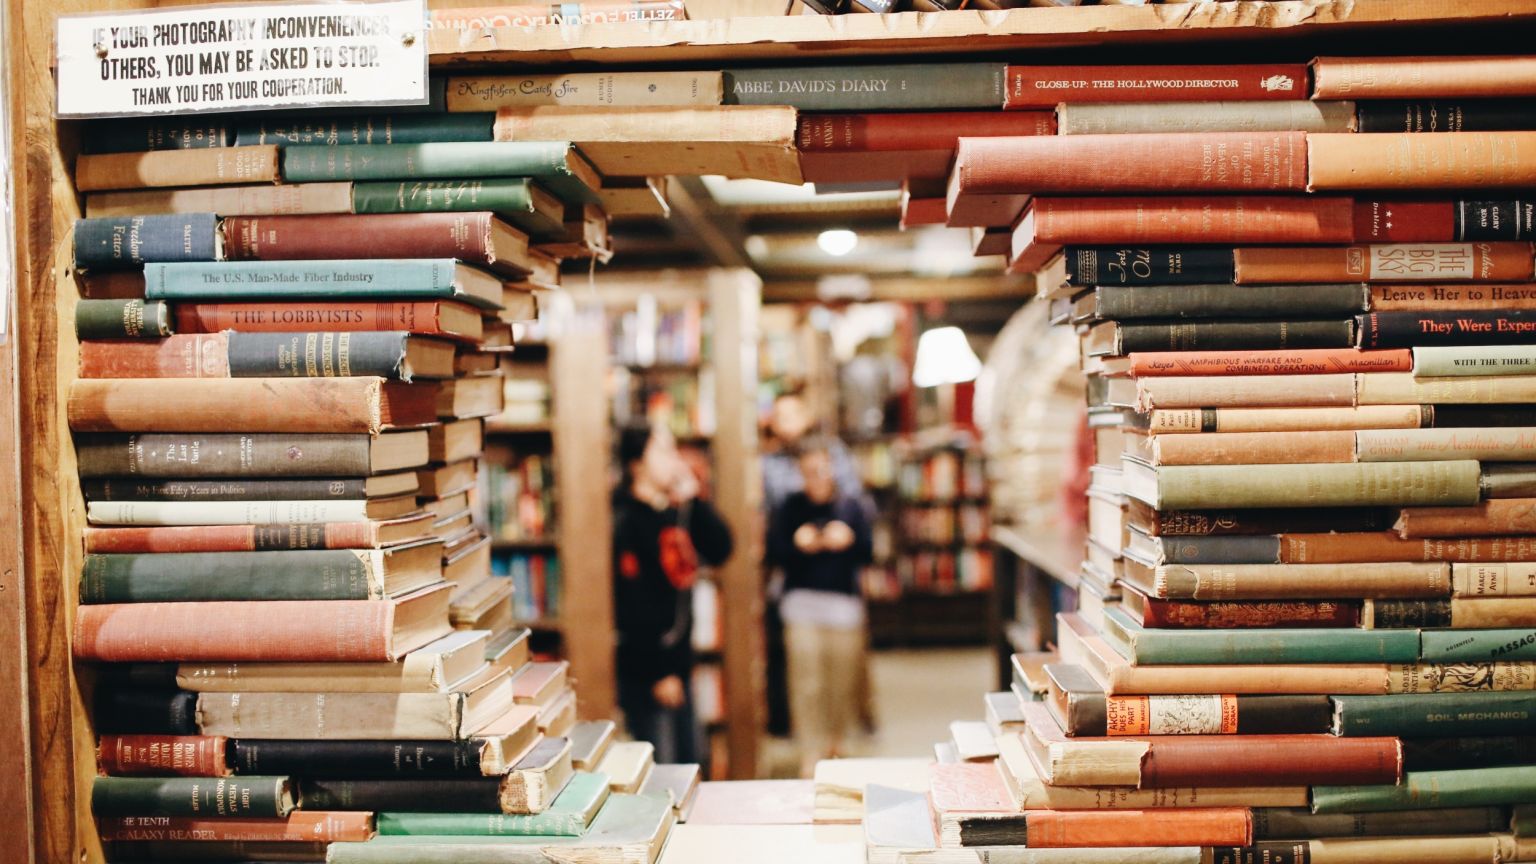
{"x":279,"y":425}
{"x":1306,"y":626}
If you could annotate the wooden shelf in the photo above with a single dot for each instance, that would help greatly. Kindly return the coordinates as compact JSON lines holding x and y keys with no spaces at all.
{"x":1059,"y":555}
{"x":822,"y":38}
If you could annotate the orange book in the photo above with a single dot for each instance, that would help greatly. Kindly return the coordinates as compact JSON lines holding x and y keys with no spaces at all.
{"x":1369,"y":547}
{"x":1423,"y":77}
{"x":299,"y":826}
{"x":1428,"y":298}
{"x":249,"y":405}
{"x":1407,"y":160}
{"x":1305,"y":361}
{"x":1395,"y":262}
{"x":1249,"y":448}
{"x":1492,"y":518}
{"x":1083,"y":829}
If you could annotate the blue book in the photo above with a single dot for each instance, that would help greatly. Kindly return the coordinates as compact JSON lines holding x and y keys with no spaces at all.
{"x":129,"y":242}
{"x":385,"y":278}
{"x":1155,"y":647}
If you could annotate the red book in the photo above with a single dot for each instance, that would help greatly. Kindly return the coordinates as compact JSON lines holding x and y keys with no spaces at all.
{"x":1047,"y":86}
{"x":311,"y":826}
{"x":1262,"y":162}
{"x":162,"y":755}
{"x":1218,"y":219}
{"x":862,"y":133}
{"x":256,"y":538}
{"x":474,"y":238}
{"x":1304,"y":361}
{"x":427,"y":317}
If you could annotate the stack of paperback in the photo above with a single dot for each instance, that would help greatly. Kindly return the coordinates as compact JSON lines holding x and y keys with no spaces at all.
{"x":1306,"y":626}
{"x":278,"y":424}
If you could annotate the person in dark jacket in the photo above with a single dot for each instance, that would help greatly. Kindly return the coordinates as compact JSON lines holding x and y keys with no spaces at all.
{"x":821,"y":538}
{"x":662,"y":531}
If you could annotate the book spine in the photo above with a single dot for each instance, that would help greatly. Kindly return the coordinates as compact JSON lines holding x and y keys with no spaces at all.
{"x":1475,"y":77}
{"x":129,"y":242}
{"x":190,"y":832}
{"x":482,"y":824}
{"x":1511,"y":645}
{"x":225,"y":200}
{"x":1517,"y":480}
{"x":1496,"y":220}
{"x":1205,"y":392}
{"x":1456,"y":160}
{"x":190,"y":405}
{"x":1270,"y":852}
{"x":1232,"y":335}
{"x":1274,"y":645}
{"x":287,"y":630}
{"x":1086,"y":118}
{"x":1174,"y":614}
{"x":292,"y":317}
{"x":1312,"y":361}
{"x":1195,"y":523}
{"x":1407,"y":613}
{"x":318,"y":355}
{"x":1223,"y":550}
{"x":176,"y":755}
{"x":249,"y":797}
{"x":1455,"y":361}
{"x":128,"y":489}
{"x":1216,"y":715}
{"x":1397,"y":262}
{"x":1445,"y":754}
{"x":1406,"y":445}
{"x":1393,"y":221}
{"x":1225,"y":301}
{"x":1441,"y":715}
{"x":624,"y":89}
{"x":1472,"y":327}
{"x":1236,"y":420}
{"x":187,"y":356}
{"x":328,"y":280}
{"x":1495,"y":580}
{"x":1068,"y":829}
{"x":456,"y":160}
{"x":1305,"y":581}
{"x":1287,"y":823}
{"x":1047,"y":86}
{"x":1187,"y":220}
{"x":1475,"y":115}
{"x":427,"y":795}
{"x":139,"y":711}
{"x":1365,"y":547}
{"x":367,"y":129}
{"x":121,"y":319}
{"x":1211,"y":162}
{"x":1495,"y":518}
{"x":157,"y":133}
{"x":1489,"y":395}
{"x":1271,"y":760}
{"x":466,"y":236}
{"x":356,"y":759}
{"x":1406,"y":298}
{"x":869,"y":88}
{"x":1254,"y":448}
{"x":555,"y":14}
{"x":220,"y":166}
{"x":1351,"y":485}
{"x":228,"y":538}
{"x":867,"y":133}
{"x":508,"y":196}
{"x":192,"y":576}
{"x":309,"y":716}
{"x":1477,"y":787}
{"x":1146,"y":265}
{"x":226,"y":455}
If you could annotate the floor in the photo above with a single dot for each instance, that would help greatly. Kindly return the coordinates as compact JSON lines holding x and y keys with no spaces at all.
{"x":918,"y":693}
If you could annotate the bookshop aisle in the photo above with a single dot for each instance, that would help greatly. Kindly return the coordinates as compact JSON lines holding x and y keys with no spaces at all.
{"x":682,"y":431}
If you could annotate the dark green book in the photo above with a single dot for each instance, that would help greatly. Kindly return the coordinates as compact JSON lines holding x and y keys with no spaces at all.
{"x":518,"y":200}
{"x":204,"y":797}
{"x":1154,"y":647}
{"x":136,"y":135}
{"x":557,"y":165}
{"x":1297,"y":823}
{"x":1523,"y":823}
{"x":1142,"y":302}
{"x":366,"y":129}
{"x":1472,"y":787}
{"x":1436,"y":715}
{"x":307,"y":574}
{"x":569,"y":816}
{"x":1114,"y":338}
{"x":1467,"y":751}
{"x":123,"y":319}
{"x":893,"y":87}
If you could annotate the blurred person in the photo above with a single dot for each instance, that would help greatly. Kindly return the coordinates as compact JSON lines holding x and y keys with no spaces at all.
{"x":662,"y":531}
{"x":820,"y":537}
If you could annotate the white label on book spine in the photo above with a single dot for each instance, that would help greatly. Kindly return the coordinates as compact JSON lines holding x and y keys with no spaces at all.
{"x":1412,"y":261}
{"x":235,"y":58}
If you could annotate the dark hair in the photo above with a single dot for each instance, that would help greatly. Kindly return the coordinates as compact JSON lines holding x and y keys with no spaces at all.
{"x":633,"y":439}
{"x":811,"y":444}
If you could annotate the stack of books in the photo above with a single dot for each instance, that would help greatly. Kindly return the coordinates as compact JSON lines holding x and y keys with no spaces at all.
{"x":1306,"y":623}
{"x":279,"y":422}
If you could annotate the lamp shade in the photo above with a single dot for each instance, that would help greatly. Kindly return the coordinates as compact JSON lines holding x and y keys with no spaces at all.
{"x":944,"y":357}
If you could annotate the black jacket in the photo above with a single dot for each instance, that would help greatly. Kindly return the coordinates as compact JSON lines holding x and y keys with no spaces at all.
{"x":653,"y":608}
{"x":823,"y":571}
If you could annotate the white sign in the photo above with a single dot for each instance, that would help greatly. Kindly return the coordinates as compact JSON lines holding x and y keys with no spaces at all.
{"x":191,"y":60}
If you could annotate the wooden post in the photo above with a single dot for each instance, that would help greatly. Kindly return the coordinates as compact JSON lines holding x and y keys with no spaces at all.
{"x":734,"y":300}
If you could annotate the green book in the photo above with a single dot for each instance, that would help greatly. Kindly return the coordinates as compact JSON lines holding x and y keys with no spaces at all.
{"x":569,"y":816}
{"x":518,"y":200}
{"x":1437,"y":715}
{"x":1469,"y":787}
{"x":555,"y":164}
{"x":308,"y":574}
{"x":233,"y":797}
{"x":376,"y":278}
{"x":628,"y":828}
{"x":123,"y":319}
{"x":1154,"y":647}
{"x":1523,"y":822}
{"x":886,"y":87}
{"x":1478,"y":646}
{"x":367,"y":129}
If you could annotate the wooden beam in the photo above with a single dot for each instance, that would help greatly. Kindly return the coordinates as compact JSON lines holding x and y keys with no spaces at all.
{"x":715,"y":228}
{"x":910,"y":290}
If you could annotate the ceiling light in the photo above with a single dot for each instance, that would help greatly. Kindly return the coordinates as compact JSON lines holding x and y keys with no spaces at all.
{"x":944,"y":357}
{"x":837,"y":242}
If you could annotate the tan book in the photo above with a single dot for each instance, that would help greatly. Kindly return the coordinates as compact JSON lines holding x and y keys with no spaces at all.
{"x":469,"y":563}
{"x":737,"y":141}
{"x":1490,"y":444}
{"x":558,"y":718}
{"x":840,"y":783}
{"x":1471,"y":849}
{"x":590,"y":742}
{"x":480,"y":603}
{"x":1392,"y":388}
{"x":1469,"y":613}
{"x":627,"y":765}
{"x":1175,"y":421}
{"x":1494,"y":580}
{"x":218,"y":166}
{"x":1199,"y":487}
{"x":1243,"y":448}
{"x":1092,"y":118}
{"x":449,"y":716}
{"x":635,"y":196}
{"x":440,"y":481}
{"x":1257,"y":391}
{"x":509,"y":650}
{"x":1288,"y":581}
{"x":1423,"y":77}
{"x":282,"y":199}
{"x":461,"y":398}
{"x":471,"y":93}
{"x":1029,"y":667}
{"x":432,"y":668}
{"x":973,"y":741}
{"x":302,"y":512}
{"x":1495,"y":517}
{"x":531,"y":784}
{"x":540,"y":684}
{"x":677,"y":783}
{"x":286,"y":405}
{"x":505,"y":740}
{"x":1407,"y":160}
{"x":455,"y":441}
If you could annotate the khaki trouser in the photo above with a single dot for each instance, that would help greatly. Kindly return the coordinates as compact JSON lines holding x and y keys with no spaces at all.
{"x":823,"y":684}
